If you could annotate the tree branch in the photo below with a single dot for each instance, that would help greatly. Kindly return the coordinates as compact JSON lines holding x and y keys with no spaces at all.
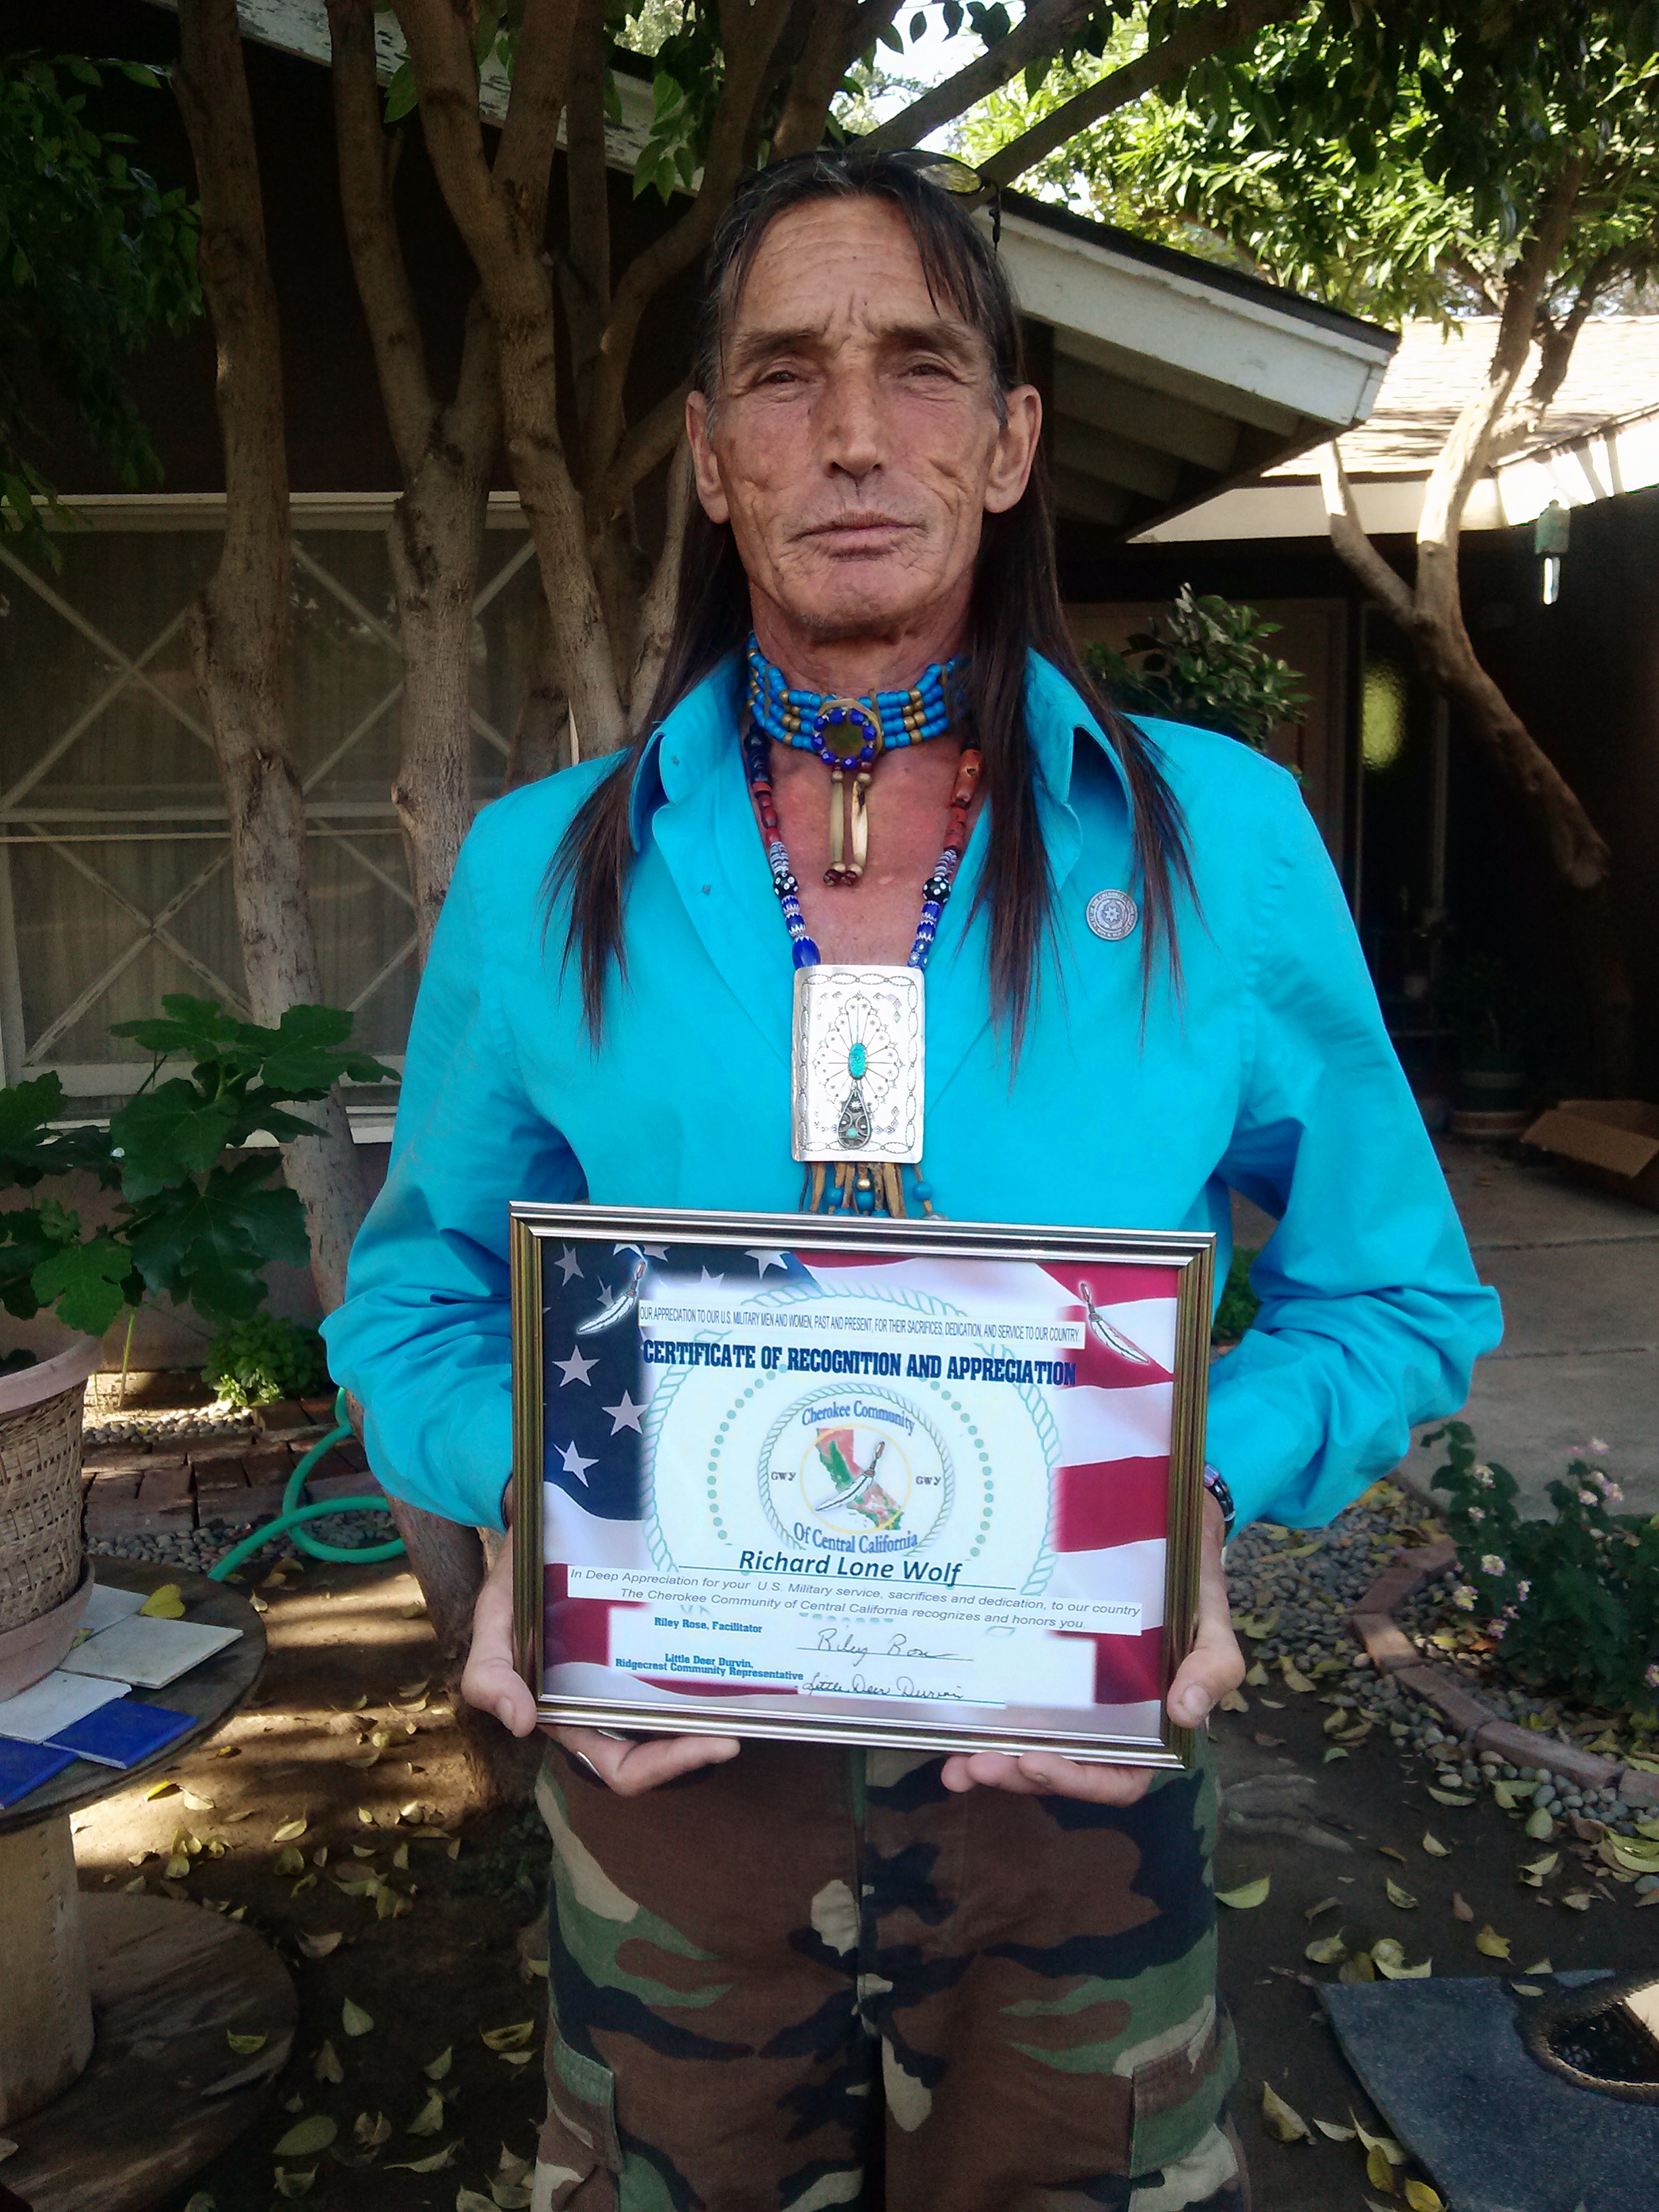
{"x":840,"y":29}
{"x":530,"y":130}
{"x":649,"y":441}
{"x":586,"y":267}
{"x":507,"y":251}
{"x":1202,"y":32}
{"x":749,"y":31}
{"x":1467,"y":453}
{"x":656,"y":620}
{"x":1351,"y":543}
{"x":371,"y":228}
{"x":1047,"y":26}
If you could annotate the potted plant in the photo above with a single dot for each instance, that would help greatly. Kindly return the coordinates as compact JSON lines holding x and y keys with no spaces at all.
{"x":187,"y":1223}
{"x":1488,"y":1018}
{"x":1203,"y":660}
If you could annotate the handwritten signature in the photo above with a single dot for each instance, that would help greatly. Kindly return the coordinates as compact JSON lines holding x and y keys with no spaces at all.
{"x":903,"y":1685}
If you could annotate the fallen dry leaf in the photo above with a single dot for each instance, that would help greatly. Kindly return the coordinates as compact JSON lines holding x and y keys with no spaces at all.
{"x":429,"y":2120}
{"x":513,"y":2037}
{"x":436,"y":2069}
{"x":1386,"y":2144}
{"x":1378,"y":2172}
{"x":245,"y":2045}
{"x":1492,"y":1944}
{"x":326,"y":2065}
{"x":433,"y":2163}
{"x":1357,"y":1969}
{"x":1539,"y":1827}
{"x":354,"y":2019}
{"x":290,"y":1830}
{"x":1448,"y":1796}
{"x":1240,"y":1899}
{"x":1336,"y":2133}
{"x":1462,"y":1909}
{"x":1234,"y":1702}
{"x":372,"y":2133}
{"x":1281,"y":2122}
{"x":1421,"y":2197}
{"x":1578,"y":1900}
{"x":321,"y":1945}
{"x":1329,"y":1950}
{"x":1325,"y":1905}
{"x":1401,"y":1898}
{"x":289,"y":1860}
{"x":166,"y":1603}
{"x":307,"y":2136}
{"x":1434,"y":1847}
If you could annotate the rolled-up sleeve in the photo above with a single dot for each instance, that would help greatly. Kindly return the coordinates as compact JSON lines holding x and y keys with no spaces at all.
{"x":423,"y":1337}
{"x":1372,"y":1316}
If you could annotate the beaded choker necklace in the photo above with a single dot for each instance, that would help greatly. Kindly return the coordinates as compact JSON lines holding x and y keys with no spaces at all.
{"x":858,"y":1031}
{"x":849,"y":735}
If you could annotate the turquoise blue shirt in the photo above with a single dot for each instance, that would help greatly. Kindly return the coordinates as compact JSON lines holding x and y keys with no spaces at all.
{"x":1270,"y":1073}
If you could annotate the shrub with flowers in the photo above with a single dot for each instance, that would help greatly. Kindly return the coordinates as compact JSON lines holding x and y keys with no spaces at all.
{"x":1571,"y":1603}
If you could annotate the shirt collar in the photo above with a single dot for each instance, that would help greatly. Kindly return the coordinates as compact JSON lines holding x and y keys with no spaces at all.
{"x":690,"y":741}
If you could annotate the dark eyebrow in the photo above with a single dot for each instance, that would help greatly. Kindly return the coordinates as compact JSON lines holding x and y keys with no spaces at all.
{"x":749,"y":348}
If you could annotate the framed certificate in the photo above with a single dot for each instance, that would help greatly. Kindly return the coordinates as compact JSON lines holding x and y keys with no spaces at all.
{"x":924,"y":1483}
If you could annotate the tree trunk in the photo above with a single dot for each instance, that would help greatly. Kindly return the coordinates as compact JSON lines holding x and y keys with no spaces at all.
{"x":239,"y":626}
{"x":434,"y":541}
{"x":541,"y":740}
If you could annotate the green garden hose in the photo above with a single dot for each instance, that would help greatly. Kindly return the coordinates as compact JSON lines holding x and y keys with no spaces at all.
{"x":294,"y":1514}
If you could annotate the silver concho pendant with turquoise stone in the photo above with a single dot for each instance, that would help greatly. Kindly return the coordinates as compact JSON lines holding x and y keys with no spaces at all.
{"x":859,"y":1049}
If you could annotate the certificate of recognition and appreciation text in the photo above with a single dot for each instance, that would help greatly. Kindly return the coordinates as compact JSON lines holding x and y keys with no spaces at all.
{"x":921,"y":1483}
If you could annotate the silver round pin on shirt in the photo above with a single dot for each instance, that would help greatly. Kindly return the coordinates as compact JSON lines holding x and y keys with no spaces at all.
{"x":1112,"y":915}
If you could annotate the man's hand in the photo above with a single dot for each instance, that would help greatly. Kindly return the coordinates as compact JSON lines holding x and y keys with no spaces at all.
{"x":1214,"y":1666}
{"x":494,"y":1684}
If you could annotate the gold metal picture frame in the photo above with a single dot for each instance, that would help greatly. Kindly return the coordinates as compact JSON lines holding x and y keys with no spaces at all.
{"x":769,"y":1529}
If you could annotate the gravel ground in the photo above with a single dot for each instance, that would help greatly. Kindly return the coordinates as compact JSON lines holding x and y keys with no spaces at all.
{"x":1296,"y":1588}
{"x":200,"y":1548}
{"x":218,"y":1420}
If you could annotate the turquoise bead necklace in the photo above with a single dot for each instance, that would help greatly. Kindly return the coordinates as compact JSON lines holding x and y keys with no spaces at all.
{"x":860,"y":1185}
{"x":849,"y":735}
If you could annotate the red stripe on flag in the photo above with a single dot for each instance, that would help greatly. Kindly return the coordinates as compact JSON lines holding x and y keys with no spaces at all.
{"x":1113,"y":1501}
{"x":575,"y":1628}
{"x":1129,"y":1669}
{"x":1114,"y":1285}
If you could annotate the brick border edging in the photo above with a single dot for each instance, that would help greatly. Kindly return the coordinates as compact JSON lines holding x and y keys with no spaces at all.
{"x":1395,"y":1656}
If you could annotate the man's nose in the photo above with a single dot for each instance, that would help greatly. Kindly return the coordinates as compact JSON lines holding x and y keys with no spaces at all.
{"x":851,"y":426}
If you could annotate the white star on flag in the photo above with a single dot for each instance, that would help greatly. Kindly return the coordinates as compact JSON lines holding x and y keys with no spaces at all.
{"x":624,"y":1416}
{"x":645,"y":1251}
{"x":575,"y":1369}
{"x":568,"y":1265}
{"x":770,"y":1259}
{"x":574,"y":1463}
{"x":707,"y":1278}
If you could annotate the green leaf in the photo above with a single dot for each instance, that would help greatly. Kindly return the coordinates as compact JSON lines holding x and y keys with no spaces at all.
{"x":307,"y":2136}
{"x":169,"y":1133}
{"x":86,"y":1283}
{"x":1249,"y":1894}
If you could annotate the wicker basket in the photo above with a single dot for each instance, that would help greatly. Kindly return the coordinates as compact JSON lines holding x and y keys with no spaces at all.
{"x":41,"y":1550}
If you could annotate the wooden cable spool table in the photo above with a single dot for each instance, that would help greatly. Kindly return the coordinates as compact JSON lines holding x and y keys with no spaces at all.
{"x":117,"y":2078}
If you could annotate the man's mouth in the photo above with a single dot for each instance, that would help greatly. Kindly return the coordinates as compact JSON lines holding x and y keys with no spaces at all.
{"x":853,"y":533}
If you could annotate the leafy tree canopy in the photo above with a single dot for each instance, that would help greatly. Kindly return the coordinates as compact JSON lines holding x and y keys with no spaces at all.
{"x":95,"y":258}
{"x":1388,"y":161}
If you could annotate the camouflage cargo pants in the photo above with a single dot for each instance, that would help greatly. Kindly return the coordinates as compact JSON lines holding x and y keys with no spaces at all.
{"x":815,"y":1978}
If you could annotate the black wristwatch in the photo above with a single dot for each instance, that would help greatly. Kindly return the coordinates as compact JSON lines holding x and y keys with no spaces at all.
{"x":1215,"y":1483}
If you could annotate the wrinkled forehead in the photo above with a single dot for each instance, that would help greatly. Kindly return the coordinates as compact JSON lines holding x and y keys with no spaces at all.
{"x":836,"y":263}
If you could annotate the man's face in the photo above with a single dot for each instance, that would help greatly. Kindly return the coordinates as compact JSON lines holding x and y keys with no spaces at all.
{"x":854,"y":446}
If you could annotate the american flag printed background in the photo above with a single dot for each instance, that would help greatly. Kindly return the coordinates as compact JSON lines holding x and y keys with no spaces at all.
{"x":1109,"y":1499}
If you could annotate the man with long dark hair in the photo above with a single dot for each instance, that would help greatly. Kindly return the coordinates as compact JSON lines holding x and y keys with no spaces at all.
{"x":788,"y":1976}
